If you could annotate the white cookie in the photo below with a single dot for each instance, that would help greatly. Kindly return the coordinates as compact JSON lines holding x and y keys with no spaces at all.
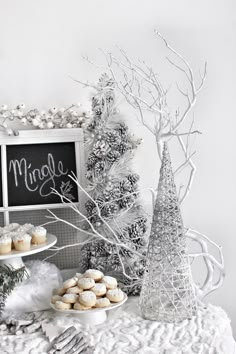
{"x":55,"y":298}
{"x":74,"y":290}
{"x":94,"y":274}
{"x":61,"y":291}
{"x":110,"y":282}
{"x":86,"y":283}
{"x":80,"y":307}
{"x":115,"y":295}
{"x":70,"y":283}
{"x":103,"y":302}
{"x":62,"y":305}
{"x":99,"y":289}
{"x":69,"y":298}
{"x":87,"y":298}
{"x":78,"y":276}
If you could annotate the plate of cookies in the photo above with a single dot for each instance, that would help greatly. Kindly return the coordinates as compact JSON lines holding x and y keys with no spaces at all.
{"x":88,"y":293}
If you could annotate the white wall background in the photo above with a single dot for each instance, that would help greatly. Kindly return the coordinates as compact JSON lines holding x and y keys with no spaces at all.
{"x":41,"y":43}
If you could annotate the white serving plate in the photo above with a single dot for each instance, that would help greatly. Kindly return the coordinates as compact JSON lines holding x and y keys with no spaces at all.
{"x":51,"y":240}
{"x":113,"y":306}
{"x":92,"y":316}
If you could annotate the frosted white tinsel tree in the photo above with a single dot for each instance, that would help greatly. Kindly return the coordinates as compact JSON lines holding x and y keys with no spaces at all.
{"x":167,"y":292}
{"x":113,"y":186}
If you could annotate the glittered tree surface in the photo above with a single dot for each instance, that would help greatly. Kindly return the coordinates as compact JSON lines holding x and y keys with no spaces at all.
{"x":113,"y":186}
{"x":167,"y":292}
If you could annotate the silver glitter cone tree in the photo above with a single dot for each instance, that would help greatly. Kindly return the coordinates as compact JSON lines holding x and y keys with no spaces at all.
{"x":167,"y":292}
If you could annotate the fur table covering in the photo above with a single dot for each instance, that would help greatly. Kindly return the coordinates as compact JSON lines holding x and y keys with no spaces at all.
{"x":126,"y":332}
{"x":34,"y":293}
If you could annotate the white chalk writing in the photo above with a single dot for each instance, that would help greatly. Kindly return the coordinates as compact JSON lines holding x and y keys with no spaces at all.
{"x":38,"y":179}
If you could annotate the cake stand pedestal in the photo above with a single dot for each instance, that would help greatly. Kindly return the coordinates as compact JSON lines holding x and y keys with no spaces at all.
{"x":14,"y":258}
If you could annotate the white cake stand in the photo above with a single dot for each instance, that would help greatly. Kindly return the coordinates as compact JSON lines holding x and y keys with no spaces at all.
{"x":94,"y":316}
{"x":14,"y":258}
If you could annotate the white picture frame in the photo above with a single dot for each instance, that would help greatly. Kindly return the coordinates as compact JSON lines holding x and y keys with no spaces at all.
{"x":45,"y":136}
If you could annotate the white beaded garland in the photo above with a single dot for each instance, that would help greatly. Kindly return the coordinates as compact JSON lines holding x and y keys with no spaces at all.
{"x":71,"y":117}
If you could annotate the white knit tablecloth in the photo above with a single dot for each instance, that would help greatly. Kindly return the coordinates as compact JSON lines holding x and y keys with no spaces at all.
{"x":126,"y":332}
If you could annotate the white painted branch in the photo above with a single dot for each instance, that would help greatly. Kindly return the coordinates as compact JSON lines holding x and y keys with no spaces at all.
{"x":143,"y":91}
{"x":94,"y":233}
{"x":192,"y":172}
{"x":211,"y":263}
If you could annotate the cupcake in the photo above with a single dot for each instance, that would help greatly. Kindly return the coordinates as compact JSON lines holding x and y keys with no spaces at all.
{"x":5,"y":244}
{"x":22,"y":242}
{"x":11,"y":227}
{"x":26,"y":228}
{"x":11,"y":235}
{"x":38,"y":234}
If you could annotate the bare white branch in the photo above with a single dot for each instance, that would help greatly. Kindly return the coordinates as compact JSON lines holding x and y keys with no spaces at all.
{"x":139,"y":84}
{"x":94,"y":233}
{"x":142,"y":89}
{"x":213,"y":265}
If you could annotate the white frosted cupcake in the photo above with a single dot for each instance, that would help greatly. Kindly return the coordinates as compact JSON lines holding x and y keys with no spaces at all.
{"x":22,"y":242}
{"x":11,"y":227}
{"x":11,"y":234}
{"x":26,"y":228}
{"x":5,"y":244}
{"x":38,"y":234}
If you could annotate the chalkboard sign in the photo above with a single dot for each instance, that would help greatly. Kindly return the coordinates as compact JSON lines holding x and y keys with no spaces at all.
{"x":33,"y":171}
{"x":37,"y":161}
